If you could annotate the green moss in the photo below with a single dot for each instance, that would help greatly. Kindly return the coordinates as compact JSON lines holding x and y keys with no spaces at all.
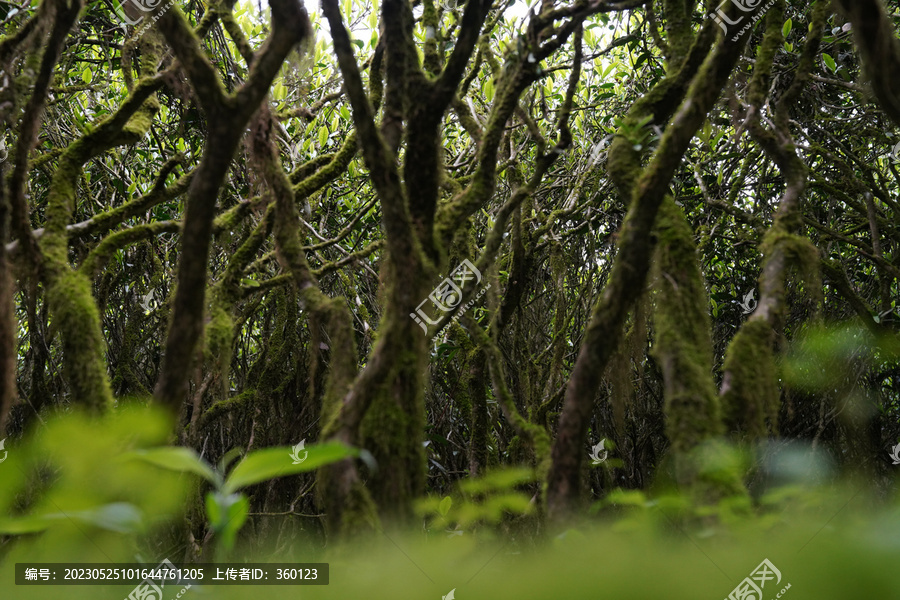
{"x":800,"y":254}
{"x":73,"y":310}
{"x":322,"y":177}
{"x":750,"y":398}
{"x":125,"y":380}
{"x":349,"y":506}
{"x":682,"y":342}
{"x":765,"y":55}
{"x":351,"y":510}
{"x":463,"y":399}
{"x":392,"y":431}
{"x":750,"y":389}
{"x":219,"y":335}
{"x":277,"y":372}
{"x":519,"y":451}
{"x":97,"y":260}
{"x":534,"y":434}
{"x":231,"y":218}
{"x":342,"y":367}
{"x":238,"y":403}
{"x":351,"y":293}
{"x":627,"y":362}
{"x":76,"y":317}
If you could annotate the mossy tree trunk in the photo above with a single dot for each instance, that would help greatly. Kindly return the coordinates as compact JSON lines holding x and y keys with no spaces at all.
{"x":73,"y":310}
{"x":386,"y":400}
{"x":227,"y":116}
{"x":682,"y":341}
{"x":750,"y":394}
{"x":646,"y":190}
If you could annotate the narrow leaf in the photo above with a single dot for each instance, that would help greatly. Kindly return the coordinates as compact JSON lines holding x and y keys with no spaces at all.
{"x":176,"y":458}
{"x":271,"y":463}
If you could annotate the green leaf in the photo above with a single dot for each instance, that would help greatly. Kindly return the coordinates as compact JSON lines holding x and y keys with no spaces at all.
{"x":227,"y":514}
{"x":489,"y":90}
{"x":228,"y":458}
{"x":271,"y":463}
{"x":323,"y":136}
{"x":445,"y":505}
{"x":176,"y":458}
{"x":788,"y":25}
{"x":589,"y":37}
{"x":829,"y":62}
{"x":620,"y":497}
{"x":705,"y":132}
{"x":87,"y":75}
{"x":502,"y":479}
{"x":120,"y":517}
{"x":24,"y":525}
{"x":215,"y":509}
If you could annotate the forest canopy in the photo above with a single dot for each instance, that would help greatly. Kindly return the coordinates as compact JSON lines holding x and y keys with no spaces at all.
{"x":451,"y":269}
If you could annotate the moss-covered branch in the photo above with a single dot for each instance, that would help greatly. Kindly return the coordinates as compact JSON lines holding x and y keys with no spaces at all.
{"x":99,"y":256}
{"x":227,"y":117}
{"x":682,"y":340}
{"x":749,"y":385}
{"x":628,"y":276}
{"x":65,"y":13}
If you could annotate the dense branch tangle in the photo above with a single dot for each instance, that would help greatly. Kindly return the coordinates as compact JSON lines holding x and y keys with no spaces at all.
{"x":245,"y":229}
